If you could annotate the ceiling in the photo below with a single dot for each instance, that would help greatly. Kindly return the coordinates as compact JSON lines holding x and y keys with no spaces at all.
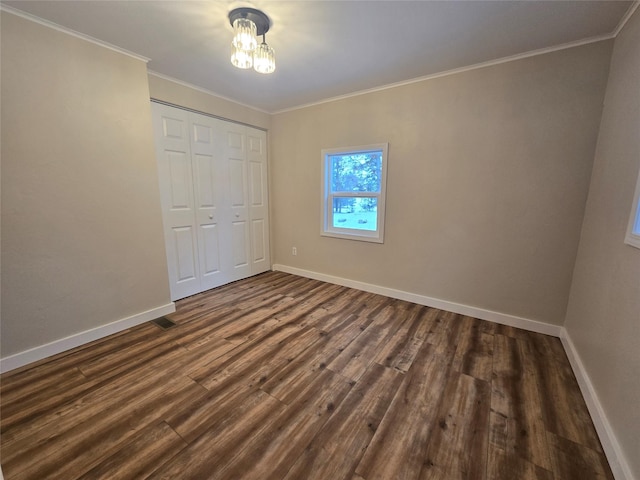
{"x":326,"y":49}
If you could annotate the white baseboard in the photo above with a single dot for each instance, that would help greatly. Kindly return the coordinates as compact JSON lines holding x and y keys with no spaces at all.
{"x":58,"y":346}
{"x":502,"y":318}
{"x":615,"y":456}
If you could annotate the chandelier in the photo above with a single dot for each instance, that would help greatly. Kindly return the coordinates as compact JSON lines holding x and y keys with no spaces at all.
{"x":249,"y":23}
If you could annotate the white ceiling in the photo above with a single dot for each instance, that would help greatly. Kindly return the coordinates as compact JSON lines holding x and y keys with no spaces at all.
{"x":326,"y":49}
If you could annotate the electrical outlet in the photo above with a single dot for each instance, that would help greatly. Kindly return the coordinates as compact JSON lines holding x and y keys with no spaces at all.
{"x":294,"y":251}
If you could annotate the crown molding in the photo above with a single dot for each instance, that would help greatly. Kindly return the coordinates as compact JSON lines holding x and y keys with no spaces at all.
{"x":625,"y":18}
{"x":489,"y":63}
{"x":73,"y":33}
{"x":204,"y":90}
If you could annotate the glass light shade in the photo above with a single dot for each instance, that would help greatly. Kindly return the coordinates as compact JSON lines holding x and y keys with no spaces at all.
{"x":244,"y":34}
{"x":241,"y":58}
{"x":264,"y":60}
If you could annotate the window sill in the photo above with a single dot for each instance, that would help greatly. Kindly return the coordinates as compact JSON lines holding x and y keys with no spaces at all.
{"x":632,"y":240}
{"x":352,"y":236}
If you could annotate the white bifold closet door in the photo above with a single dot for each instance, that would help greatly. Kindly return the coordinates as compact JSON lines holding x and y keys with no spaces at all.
{"x":213,"y":188}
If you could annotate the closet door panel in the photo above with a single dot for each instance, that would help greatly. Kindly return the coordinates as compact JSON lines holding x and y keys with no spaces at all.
{"x":179,"y":177}
{"x":210,"y":215}
{"x":207,"y":219}
{"x":177,"y":199}
{"x":239,"y":232}
{"x":258,"y":200}
{"x":237,"y":188}
{"x":184,"y":241}
{"x":236,"y":160}
{"x":259,"y":241}
{"x":210,"y":264}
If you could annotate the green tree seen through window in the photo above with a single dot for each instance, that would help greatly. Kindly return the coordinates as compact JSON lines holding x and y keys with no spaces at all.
{"x":355,"y":173}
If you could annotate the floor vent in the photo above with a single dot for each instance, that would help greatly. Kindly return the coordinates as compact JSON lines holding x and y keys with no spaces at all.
{"x":164,"y":323}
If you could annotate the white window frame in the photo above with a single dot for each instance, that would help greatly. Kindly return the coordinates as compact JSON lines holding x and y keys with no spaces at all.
{"x":327,"y":228}
{"x":633,"y":229}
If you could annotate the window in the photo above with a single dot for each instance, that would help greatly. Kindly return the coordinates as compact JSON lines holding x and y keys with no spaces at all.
{"x":633,"y":230}
{"x":353,"y":192}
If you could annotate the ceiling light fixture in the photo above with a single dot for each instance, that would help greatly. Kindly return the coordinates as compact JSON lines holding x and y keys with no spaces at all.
{"x":248,"y":23}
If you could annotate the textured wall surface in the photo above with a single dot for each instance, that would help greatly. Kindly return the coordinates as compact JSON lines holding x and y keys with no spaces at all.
{"x":603,"y":316}
{"x":82,"y":242}
{"x":487,"y":180}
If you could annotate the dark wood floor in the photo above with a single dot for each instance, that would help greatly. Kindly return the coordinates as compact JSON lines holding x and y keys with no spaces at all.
{"x":281,"y":377}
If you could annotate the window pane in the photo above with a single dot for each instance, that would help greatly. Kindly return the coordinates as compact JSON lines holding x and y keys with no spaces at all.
{"x":358,"y":213}
{"x":357,"y":172}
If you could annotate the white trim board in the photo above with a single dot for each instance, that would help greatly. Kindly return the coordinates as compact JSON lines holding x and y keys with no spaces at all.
{"x":613,"y":452}
{"x":502,"y":318}
{"x":58,"y":346}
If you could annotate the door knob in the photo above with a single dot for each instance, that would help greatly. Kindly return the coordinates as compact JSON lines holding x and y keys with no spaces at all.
{"x":211,"y":216}
{"x":237,"y":215}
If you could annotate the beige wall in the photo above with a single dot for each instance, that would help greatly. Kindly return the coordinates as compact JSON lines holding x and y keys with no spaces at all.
{"x":487,"y":180}
{"x":172,"y":92}
{"x":82,"y":242}
{"x":603,"y":317}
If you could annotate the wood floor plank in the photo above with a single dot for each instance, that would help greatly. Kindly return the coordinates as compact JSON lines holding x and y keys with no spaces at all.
{"x":257,"y":365}
{"x":458,"y":442}
{"x":78,"y":450}
{"x":209,"y":452}
{"x":287,"y":382}
{"x":203,"y":327}
{"x":307,"y":304}
{"x":563,"y":408}
{"x":515,"y":397}
{"x":211,"y":311}
{"x":109,"y":402}
{"x":69,"y":383}
{"x":44,"y":400}
{"x":253,"y":348}
{"x":21,"y":382}
{"x":270,"y":455}
{"x":342,"y":300}
{"x":502,"y":466}
{"x":574,"y":461}
{"x":401,"y":349}
{"x":399,"y":444}
{"x":228,"y":296}
{"x":125,"y":359}
{"x":212,"y":345}
{"x":359,"y":354}
{"x":252,"y":318}
{"x":141,"y":456}
{"x":445,"y":333}
{"x":218,"y":324}
{"x":28,"y":394}
{"x":336,"y":450}
{"x":278,"y":376}
{"x":125,"y":389}
{"x":210,"y":410}
{"x":474,"y":354}
{"x":338,"y":306}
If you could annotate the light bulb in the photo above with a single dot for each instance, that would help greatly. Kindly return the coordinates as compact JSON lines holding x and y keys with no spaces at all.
{"x":264,"y":60}
{"x":241,"y":58}
{"x":244,"y":34}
